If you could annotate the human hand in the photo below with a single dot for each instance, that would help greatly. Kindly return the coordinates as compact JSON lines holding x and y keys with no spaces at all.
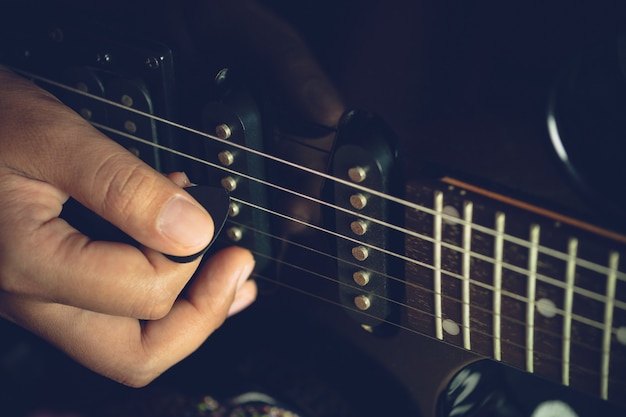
{"x":113,"y":307}
{"x":248,"y":34}
{"x":272,"y":55}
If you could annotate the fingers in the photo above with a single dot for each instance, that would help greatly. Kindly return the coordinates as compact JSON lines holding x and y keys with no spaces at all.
{"x":262,"y":40}
{"x":43,"y":257}
{"x":45,"y":140}
{"x":47,"y":153}
{"x":128,"y":351}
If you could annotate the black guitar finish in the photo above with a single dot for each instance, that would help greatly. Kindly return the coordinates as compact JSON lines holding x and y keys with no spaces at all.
{"x":465,"y":86}
{"x":587,"y":123}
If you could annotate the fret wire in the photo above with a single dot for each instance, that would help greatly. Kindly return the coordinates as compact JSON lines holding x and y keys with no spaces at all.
{"x":384,"y":275}
{"x":395,"y":324}
{"x":336,"y":258}
{"x":558,"y":311}
{"x":425,"y":265}
{"x":595,"y":267}
{"x":333,"y":233}
{"x":548,"y":280}
{"x":578,"y":318}
{"x":468,"y":207}
{"x":608,"y":324}
{"x":437,"y":234}
{"x":531,"y":291}
{"x":257,"y":275}
{"x":548,"y":251}
{"x":545,"y":355}
{"x":570,"y":275}
{"x":497,"y":284}
{"x":403,"y":305}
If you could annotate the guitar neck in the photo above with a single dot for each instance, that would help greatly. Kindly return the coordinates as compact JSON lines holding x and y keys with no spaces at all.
{"x":519,"y":284}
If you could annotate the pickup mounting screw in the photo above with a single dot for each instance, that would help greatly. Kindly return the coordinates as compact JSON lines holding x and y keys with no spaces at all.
{"x":235,"y":234}
{"x":103,"y":58}
{"x":126,"y":100}
{"x":357,"y":174}
{"x":226,"y":158}
{"x":229,"y":183}
{"x":223,"y":131}
{"x":362,"y":278}
{"x":358,"y":227}
{"x":81,"y":86}
{"x":362,"y":302}
{"x":358,"y":201}
{"x":152,"y":62}
{"x":233,"y":209}
{"x":86,"y":113}
{"x":130,"y":126}
{"x":360,"y":253}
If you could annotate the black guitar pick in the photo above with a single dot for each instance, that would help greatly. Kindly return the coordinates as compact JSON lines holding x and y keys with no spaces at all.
{"x":214,"y":199}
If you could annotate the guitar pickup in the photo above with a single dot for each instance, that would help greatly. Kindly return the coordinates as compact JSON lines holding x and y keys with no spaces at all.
{"x":364,"y":163}
{"x":118,"y":82}
{"x":233,"y":117}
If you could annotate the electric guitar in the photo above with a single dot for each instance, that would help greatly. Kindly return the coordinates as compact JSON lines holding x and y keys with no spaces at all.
{"x":474,"y":209}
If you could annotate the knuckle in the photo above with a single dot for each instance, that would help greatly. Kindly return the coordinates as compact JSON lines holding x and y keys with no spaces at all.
{"x":12,"y":281}
{"x":138,"y":374}
{"x":117,"y":184}
{"x":155,"y":303}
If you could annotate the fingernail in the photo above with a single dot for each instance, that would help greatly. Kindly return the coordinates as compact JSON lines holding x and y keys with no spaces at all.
{"x":324,"y":107}
{"x":185,"y":223}
{"x":244,"y":274}
{"x":243,"y":299}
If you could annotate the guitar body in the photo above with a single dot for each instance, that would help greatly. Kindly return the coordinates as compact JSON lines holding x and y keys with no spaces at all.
{"x":483,"y":242}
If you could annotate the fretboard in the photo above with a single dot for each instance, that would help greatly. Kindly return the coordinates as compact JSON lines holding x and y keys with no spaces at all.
{"x":518,"y":284}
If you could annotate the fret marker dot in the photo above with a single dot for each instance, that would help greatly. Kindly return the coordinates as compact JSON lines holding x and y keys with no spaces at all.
{"x":621,"y":335}
{"x":450,"y":327}
{"x":452,"y":212}
{"x":546,"y":308}
{"x":554,"y":408}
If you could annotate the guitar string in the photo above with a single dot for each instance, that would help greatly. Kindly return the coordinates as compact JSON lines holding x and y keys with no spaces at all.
{"x":450,"y":339}
{"x":538,"y":331}
{"x":523,"y":243}
{"x":602,"y":269}
{"x":454,"y":219}
{"x":540,"y":277}
{"x":414,"y":285}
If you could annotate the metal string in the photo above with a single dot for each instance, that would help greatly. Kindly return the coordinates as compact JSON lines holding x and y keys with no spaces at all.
{"x":548,"y":251}
{"x":602,"y":269}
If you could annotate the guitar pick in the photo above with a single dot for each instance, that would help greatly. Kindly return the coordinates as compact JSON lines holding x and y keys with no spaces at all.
{"x":215,"y":200}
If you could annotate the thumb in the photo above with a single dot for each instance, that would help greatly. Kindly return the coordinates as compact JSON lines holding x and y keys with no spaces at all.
{"x":139,"y":200}
{"x":52,"y":143}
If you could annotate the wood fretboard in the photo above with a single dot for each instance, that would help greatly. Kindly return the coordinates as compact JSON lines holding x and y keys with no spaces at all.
{"x":518,"y":284}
